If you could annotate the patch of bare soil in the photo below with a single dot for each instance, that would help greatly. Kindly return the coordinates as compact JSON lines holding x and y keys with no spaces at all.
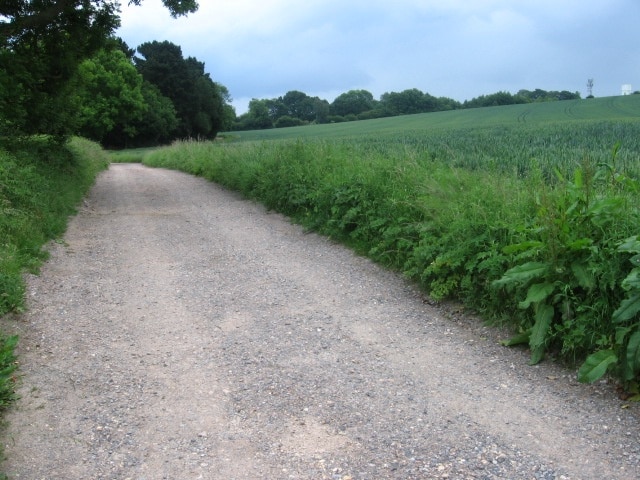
{"x":183,"y":333}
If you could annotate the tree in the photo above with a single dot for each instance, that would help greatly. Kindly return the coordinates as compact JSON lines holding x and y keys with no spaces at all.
{"x":287,"y":121}
{"x":159,"y":122}
{"x":322,"y":109}
{"x":299,"y":105}
{"x":197,"y":99}
{"x":42,"y":43}
{"x":258,"y":115}
{"x":539,"y":95}
{"x":296,"y":104}
{"x":494,"y":100}
{"x":354,"y":102}
{"x":228,"y":112}
{"x":22,"y":17}
{"x":405,"y":102}
{"x":111,"y":100}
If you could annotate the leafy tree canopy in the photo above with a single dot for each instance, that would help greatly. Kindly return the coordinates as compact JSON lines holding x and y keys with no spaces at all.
{"x":410,"y":101}
{"x":360,"y":105}
{"x":159,"y":122}
{"x":20,"y":18}
{"x":539,"y":95}
{"x":198,"y":100}
{"x":353,"y":102}
{"x":42,"y":43}
{"x":258,"y":115}
{"x":111,"y":98}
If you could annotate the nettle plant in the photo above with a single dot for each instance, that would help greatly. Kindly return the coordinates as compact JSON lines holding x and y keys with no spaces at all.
{"x":570,"y":266}
{"x":624,"y":354}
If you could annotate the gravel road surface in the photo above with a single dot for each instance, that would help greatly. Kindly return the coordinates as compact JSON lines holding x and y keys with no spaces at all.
{"x":180,"y":332}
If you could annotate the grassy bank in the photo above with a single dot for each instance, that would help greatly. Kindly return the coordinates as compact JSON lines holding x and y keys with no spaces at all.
{"x":524,"y":224}
{"x":41,"y":183}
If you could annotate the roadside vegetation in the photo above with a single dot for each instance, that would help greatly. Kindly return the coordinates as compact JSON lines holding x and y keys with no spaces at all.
{"x":532,"y":224}
{"x":41,"y":184}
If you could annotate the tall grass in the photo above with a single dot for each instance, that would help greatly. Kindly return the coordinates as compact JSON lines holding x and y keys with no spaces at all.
{"x":40,"y":185}
{"x":458,"y":210}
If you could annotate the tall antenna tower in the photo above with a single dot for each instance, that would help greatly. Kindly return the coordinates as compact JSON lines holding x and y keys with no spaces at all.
{"x":590,"y":88}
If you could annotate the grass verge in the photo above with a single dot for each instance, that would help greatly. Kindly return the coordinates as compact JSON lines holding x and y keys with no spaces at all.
{"x":41,"y":183}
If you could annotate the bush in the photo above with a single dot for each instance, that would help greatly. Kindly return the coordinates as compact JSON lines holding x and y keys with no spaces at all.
{"x":287,"y":121}
{"x":335,"y":119}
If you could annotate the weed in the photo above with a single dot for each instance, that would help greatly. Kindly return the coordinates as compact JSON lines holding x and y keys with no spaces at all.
{"x":568,"y":270}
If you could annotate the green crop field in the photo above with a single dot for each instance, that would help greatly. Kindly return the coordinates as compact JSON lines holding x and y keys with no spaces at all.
{"x":527,"y":214}
{"x":515,"y":137}
{"x":532,"y":115}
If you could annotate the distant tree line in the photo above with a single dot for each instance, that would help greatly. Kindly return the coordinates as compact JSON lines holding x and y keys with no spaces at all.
{"x":297,"y":108}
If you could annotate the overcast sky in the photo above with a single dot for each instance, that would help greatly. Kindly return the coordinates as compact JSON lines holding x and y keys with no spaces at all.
{"x":453,"y":48}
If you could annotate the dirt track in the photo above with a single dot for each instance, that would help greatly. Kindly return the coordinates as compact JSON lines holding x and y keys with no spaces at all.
{"x":183,"y":333}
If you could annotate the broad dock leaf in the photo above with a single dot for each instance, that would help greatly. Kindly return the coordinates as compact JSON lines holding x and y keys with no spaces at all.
{"x":628,"y":308}
{"x":537,"y":293}
{"x":596,"y":366}
{"x":523,"y":273}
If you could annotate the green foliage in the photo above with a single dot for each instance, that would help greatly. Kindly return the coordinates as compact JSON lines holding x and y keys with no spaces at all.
{"x":596,"y":366}
{"x":42,"y":44}
{"x":352,"y":102}
{"x":111,"y":98}
{"x":360,"y":105}
{"x":494,"y":100}
{"x":198,"y":100}
{"x":625,"y":347}
{"x":413,"y":101}
{"x":8,"y":367}
{"x":177,"y":8}
{"x":258,"y":116}
{"x":159,"y":121}
{"x":40,"y":184}
{"x":568,"y":268}
{"x":539,"y":95}
{"x":287,"y":121}
{"x":299,"y":106}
